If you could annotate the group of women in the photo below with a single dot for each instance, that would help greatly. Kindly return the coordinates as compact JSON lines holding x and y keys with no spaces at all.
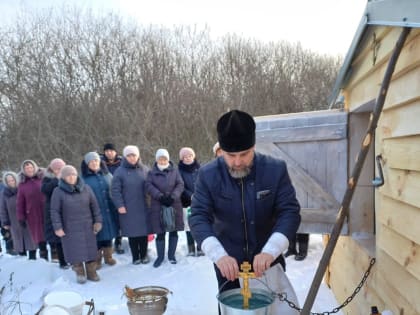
{"x":80,"y":214}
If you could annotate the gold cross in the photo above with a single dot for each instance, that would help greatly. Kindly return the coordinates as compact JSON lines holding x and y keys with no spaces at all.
{"x":246,"y":275}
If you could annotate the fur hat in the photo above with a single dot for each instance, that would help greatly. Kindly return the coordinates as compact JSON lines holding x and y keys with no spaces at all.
{"x":10,"y":173}
{"x":68,"y":170}
{"x":90,"y":156}
{"x":162,"y":152}
{"x":215,"y":148}
{"x":56,"y":164}
{"x":131,"y":149}
{"x":185,"y":151}
{"x":22,"y":166}
{"x":236,"y":131}
{"x":109,"y":146}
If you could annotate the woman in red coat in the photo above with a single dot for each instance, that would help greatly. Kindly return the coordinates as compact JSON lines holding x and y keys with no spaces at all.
{"x":30,"y":204}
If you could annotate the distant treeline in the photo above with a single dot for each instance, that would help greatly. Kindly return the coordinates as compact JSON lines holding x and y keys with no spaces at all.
{"x":71,"y":81}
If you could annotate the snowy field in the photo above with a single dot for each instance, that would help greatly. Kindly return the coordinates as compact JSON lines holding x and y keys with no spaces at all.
{"x":192,"y":282}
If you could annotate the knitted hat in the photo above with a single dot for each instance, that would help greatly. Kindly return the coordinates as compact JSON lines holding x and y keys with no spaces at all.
{"x":236,"y":131}
{"x":131,"y":149}
{"x":162,"y":152}
{"x":185,"y":151}
{"x":68,"y":170}
{"x":56,"y":164}
{"x":90,"y":156}
{"x":109,"y":146}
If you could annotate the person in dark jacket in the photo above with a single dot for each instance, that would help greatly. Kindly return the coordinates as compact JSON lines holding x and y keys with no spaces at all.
{"x":113,"y":161}
{"x":49,"y":182}
{"x":244,"y":209}
{"x":165,"y":186}
{"x":76,"y":219}
{"x":96,"y":175}
{"x":129,"y":195}
{"x":21,"y":239}
{"x":30,"y":204}
{"x":188,"y":167}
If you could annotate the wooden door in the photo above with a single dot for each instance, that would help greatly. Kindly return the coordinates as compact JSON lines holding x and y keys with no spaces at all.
{"x":314,"y":146}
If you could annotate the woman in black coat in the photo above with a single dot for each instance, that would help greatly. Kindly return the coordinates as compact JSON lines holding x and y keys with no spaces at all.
{"x":49,"y":182}
{"x":188,"y":168}
{"x":165,"y":185}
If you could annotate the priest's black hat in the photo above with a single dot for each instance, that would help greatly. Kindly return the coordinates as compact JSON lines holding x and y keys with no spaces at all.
{"x":236,"y":131}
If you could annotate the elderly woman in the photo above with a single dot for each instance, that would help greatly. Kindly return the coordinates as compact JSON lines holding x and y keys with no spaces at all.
{"x":49,"y":182}
{"x":165,"y":185}
{"x":22,"y":240}
{"x":129,"y":196}
{"x":76,"y":219}
{"x":96,"y":175}
{"x":30,"y":204}
{"x":188,"y":167}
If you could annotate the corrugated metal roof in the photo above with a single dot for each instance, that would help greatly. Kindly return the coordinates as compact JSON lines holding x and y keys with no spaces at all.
{"x":397,"y":13}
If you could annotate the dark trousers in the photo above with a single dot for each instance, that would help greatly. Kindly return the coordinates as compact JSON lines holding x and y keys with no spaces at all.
{"x":138,"y":247}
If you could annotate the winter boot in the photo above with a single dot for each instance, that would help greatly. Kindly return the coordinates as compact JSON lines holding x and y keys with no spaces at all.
{"x":32,"y":254}
{"x":303,"y":251}
{"x":160,"y":248}
{"x":99,"y":259}
{"x":54,"y":253}
{"x":79,"y":269}
{"x":292,"y":248}
{"x":118,"y":245}
{"x":91,"y":271}
{"x":43,"y":254}
{"x":303,"y":241}
{"x":173,"y":241}
{"x":108,"y":256}
{"x":191,"y":250}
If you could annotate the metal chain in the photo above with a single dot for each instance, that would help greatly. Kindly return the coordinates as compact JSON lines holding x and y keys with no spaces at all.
{"x":283,"y":296}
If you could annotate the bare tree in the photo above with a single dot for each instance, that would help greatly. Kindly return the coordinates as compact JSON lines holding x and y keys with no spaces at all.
{"x":71,"y":81}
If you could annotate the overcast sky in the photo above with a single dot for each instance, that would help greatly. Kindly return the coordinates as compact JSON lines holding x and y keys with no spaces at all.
{"x":324,"y":26}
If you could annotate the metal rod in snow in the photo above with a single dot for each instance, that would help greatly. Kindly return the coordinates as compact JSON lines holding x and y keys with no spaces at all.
{"x":351,"y":185}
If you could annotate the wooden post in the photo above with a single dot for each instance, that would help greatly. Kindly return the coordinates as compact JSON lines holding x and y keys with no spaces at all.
{"x":351,"y":185}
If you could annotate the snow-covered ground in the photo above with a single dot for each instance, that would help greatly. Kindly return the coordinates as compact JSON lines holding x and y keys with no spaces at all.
{"x":192,"y":282}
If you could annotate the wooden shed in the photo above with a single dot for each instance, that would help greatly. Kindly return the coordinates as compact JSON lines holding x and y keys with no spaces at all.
{"x":383,"y":221}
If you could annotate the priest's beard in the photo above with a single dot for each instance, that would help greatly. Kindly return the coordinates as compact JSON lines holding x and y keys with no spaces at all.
{"x":241,"y":173}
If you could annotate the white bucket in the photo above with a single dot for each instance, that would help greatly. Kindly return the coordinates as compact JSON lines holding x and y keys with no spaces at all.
{"x":54,"y":310}
{"x":69,"y":300}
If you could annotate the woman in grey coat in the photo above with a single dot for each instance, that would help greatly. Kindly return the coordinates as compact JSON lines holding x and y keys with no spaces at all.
{"x":76,"y":219}
{"x":22,"y":240}
{"x":129,"y":196}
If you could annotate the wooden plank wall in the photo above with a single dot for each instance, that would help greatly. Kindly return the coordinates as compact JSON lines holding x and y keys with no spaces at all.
{"x":395,"y":282}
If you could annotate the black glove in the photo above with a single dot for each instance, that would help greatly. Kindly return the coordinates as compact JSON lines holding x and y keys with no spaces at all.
{"x":166,"y":200}
{"x":22,"y":223}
